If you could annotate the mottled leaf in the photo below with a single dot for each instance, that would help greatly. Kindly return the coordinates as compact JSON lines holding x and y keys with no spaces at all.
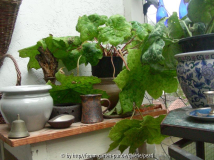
{"x":154,"y":53}
{"x":88,"y":26}
{"x":115,"y":31}
{"x":139,"y":30}
{"x":92,"y":53}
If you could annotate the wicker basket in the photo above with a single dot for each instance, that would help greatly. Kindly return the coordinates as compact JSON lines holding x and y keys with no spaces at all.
{"x":8,"y":13}
{"x":1,"y":118}
{"x":18,"y":82}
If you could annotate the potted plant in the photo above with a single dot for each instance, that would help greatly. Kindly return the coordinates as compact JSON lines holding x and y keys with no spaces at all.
{"x":100,"y":37}
{"x":153,"y":71}
{"x":195,"y":67}
{"x":201,"y":22}
{"x":46,"y":54}
{"x":112,"y":35}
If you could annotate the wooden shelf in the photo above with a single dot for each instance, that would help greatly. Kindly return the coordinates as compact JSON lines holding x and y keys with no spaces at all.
{"x":76,"y":128}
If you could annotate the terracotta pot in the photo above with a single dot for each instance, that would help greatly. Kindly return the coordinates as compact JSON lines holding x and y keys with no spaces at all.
{"x":108,"y":85}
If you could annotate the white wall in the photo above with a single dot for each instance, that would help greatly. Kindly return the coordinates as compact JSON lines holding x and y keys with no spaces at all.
{"x":37,"y":19}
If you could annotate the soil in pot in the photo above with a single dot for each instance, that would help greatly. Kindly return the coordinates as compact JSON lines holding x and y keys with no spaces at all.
{"x":197,"y":43}
{"x":70,"y":109}
{"x":105,"y":69}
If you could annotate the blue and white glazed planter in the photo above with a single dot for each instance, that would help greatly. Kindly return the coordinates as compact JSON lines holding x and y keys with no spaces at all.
{"x":195,"y":72}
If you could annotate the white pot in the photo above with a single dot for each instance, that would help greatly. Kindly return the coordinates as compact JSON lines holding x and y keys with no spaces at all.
{"x":32,"y":102}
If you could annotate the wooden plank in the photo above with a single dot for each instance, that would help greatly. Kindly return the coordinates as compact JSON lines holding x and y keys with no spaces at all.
{"x":76,"y":128}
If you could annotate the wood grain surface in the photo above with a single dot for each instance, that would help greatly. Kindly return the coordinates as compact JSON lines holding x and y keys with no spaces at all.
{"x":49,"y":133}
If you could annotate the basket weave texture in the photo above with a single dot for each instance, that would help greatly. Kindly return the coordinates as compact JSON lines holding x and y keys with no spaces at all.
{"x":8,"y":14}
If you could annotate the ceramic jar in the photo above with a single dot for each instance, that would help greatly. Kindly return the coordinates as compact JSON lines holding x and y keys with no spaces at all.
{"x":111,"y":88}
{"x":32,"y":102}
{"x":195,"y":72}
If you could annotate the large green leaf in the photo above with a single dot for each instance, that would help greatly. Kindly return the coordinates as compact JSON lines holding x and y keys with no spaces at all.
{"x":148,"y":27}
{"x":151,"y":128}
{"x":158,"y":82}
{"x":158,"y":32}
{"x":88,"y":26}
{"x":30,"y":52}
{"x":154,"y":53}
{"x":169,"y":51}
{"x":134,"y":138}
{"x":115,"y":31}
{"x":60,"y":47}
{"x":139,"y":30}
{"x":201,"y":10}
{"x":175,"y":29}
{"x":117,"y":132}
{"x":92,"y":53}
{"x":141,"y":78}
{"x":133,"y":133}
{"x":72,"y":87}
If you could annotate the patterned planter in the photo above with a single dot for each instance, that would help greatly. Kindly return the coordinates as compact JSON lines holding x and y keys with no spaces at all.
{"x":195,"y":72}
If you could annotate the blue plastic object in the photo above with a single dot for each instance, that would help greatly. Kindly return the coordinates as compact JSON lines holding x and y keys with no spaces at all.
{"x":183,"y":8}
{"x":161,"y":12}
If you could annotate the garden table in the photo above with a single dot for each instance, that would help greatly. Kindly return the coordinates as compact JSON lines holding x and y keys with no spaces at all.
{"x":48,"y":143}
{"x":178,"y":124}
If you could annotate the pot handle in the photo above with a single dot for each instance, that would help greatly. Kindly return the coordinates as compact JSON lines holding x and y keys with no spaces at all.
{"x":109,"y":104}
{"x":18,"y":82}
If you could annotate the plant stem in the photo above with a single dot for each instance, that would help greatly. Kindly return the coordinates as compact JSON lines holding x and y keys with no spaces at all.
{"x":122,"y":59}
{"x":113,"y":66}
{"x":110,"y":50}
{"x":128,"y":43}
{"x":188,"y":31}
{"x":124,"y":53}
{"x":132,"y":113}
{"x":136,"y":45}
{"x":210,"y":26}
{"x":139,"y":111}
{"x":78,"y":65}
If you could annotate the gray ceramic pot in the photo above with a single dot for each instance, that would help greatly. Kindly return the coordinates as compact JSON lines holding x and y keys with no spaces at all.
{"x":32,"y":102}
{"x":195,"y":72}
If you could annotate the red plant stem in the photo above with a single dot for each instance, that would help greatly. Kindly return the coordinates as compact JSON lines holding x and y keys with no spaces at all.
{"x":110,"y":51}
{"x":122,"y":59}
{"x":101,"y":47}
{"x":113,"y":66}
{"x":128,"y":43}
{"x":124,"y":53}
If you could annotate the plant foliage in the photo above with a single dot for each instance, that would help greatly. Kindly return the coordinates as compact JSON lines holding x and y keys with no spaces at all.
{"x":152,"y":68}
{"x":133,"y":133}
{"x":72,"y":87}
